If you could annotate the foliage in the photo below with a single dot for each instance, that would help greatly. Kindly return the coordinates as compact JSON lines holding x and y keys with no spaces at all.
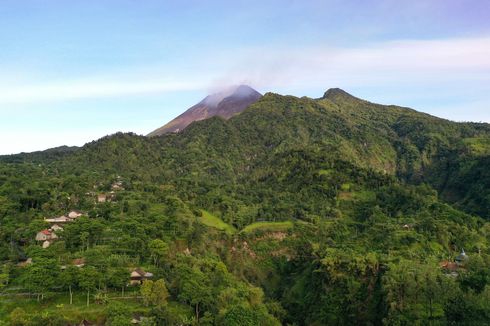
{"x":345,"y":211}
{"x":210,"y":220}
{"x":154,"y":293}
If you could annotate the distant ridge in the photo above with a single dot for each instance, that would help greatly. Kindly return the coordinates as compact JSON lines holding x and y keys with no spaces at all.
{"x":334,"y":94}
{"x":41,"y":156}
{"x":224,"y":104}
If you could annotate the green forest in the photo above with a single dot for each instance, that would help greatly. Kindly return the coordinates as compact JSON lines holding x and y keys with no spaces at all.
{"x":297,"y":211}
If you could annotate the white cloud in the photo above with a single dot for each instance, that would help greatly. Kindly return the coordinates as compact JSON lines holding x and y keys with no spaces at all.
{"x":425,"y":61}
{"x":378,"y":64}
{"x":83,"y":89}
{"x":449,"y":78}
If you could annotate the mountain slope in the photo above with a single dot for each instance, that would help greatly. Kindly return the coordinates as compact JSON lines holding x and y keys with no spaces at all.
{"x":400,"y":142}
{"x":224,"y":104}
{"x":329,"y":211}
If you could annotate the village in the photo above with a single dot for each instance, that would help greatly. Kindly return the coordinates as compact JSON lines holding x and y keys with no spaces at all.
{"x":47,"y":236}
{"x":54,"y":232}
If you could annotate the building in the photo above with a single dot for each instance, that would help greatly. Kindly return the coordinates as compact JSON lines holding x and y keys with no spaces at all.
{"x":74,"y":214}
{"x":79,"y":262}
{"x":70,"y":217}
{"x":461,"y":258}
{"x":55,"y":228}
{"x":450,"y":268}
{"x":61,"y":219}
{"x":117,"y":186}
{"x":453,"y":267}
{"x":137,"y":318}
{"x":102,"y":198}
{"x":24,"y":263}
{"x":138,"y":276}
{"x":46,"y":235}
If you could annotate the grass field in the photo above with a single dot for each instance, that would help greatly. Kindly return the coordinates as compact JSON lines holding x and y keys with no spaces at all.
{"x":362,"y":195}
{"x":210,"y":220}
{"x":59,"y":304}
{"x":268,"y":227}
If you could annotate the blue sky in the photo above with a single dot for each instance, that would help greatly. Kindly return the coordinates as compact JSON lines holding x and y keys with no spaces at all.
{"x":74,"y":71}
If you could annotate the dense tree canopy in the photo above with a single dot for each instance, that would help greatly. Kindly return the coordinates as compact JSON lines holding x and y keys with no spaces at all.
{"x":333,"y":211}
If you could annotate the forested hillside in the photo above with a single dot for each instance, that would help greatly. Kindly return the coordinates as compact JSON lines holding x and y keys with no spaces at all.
{"x":297,"y":211}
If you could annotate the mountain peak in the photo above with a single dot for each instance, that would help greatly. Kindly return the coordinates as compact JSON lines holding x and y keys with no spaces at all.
{"x":337,"y":93}
{"x":244,"y":90}
{"x":225,"y":103}
{"x":239,"y":91}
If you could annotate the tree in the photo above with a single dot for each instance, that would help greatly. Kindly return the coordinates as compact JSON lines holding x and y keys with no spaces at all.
{"x":246,"y":315}
{"x":83,"y":233}
{"x":4,"y":279}
{"x":195,"y":288}
{"x":48,"y":318}
{"x":84,"y":238}
{"x":477,"y":275}
{"x":400,"y":284}
{"x":120,"y":321}
{"x":158,"y":251}
{"x":154,"y":293}
{"x":88,"y":280}
{"x":69,"y":279}
{"x":5,"y":275}
{"x":40,"y":276}
{"x":18,"y":317}
{"x":118,"y":314}
{"x":118,"y":278}
{"x":145,"y":290}
{"x":160,"y":293}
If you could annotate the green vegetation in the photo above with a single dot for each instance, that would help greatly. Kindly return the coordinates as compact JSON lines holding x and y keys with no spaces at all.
{"x":210,"y":220}
{"x":268,"y":227}
{"x":478,"y":145}
{"x":330,"y":211}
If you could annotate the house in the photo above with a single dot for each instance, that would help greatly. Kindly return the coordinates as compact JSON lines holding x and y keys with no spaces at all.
{"x":137,"y":318}
{"x":461,"y":258}
{"x":79,"y":262}
{"x":118,"y":185}
{"x":61,"y":219}
{"x":85,"y":323}
{"x":108,"y":197}
{"x":448,"y":266}
{"x":74,"y":214}
{"x":56,"y":227}
{"x":453,"y":267}
{"x":70,"y":217}
{"x":46,"y":235}
{"x":24,"y":263}
{"x":138,"y":276}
